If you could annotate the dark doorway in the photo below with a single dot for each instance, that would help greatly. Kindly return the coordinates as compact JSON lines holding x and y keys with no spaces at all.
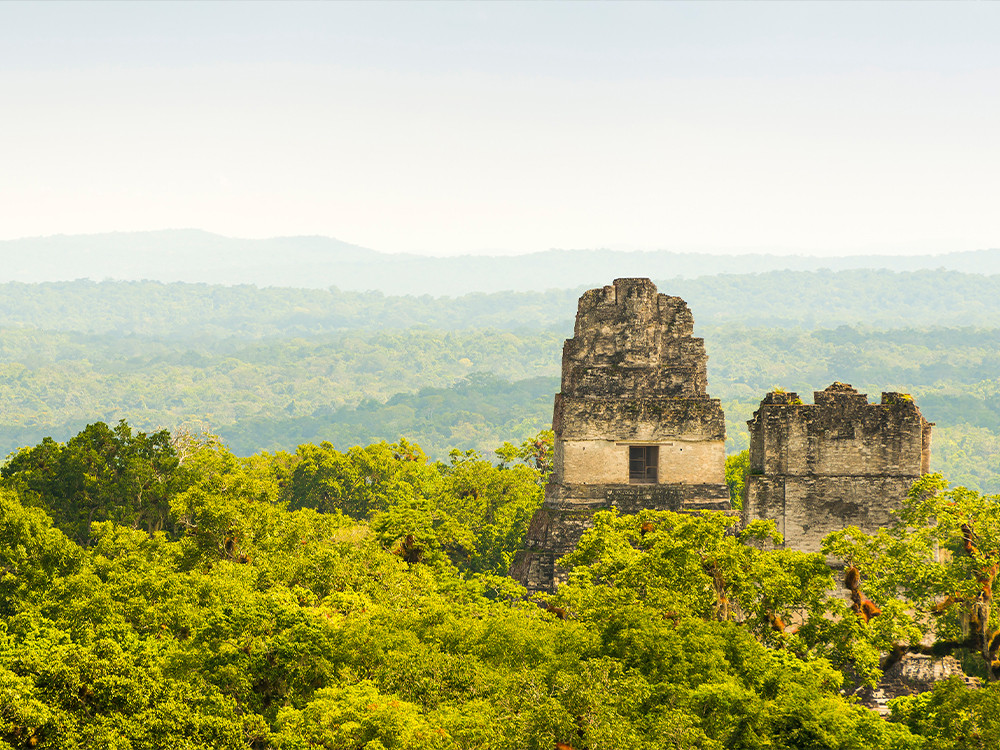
{"x":643,"y":461}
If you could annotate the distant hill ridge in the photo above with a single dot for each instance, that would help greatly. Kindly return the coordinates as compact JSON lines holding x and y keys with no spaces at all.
{"x":196,"y":256}
{"x":779,"y":299}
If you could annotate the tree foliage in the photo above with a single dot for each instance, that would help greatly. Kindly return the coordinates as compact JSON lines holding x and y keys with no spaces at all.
{"x":736,"y":469}
{"x":102,"y":473}
{"x":932,"y":571}
{"x":356,"y":600}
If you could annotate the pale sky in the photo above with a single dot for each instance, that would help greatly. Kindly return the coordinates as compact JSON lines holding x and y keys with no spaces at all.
{"x":444,"y":128}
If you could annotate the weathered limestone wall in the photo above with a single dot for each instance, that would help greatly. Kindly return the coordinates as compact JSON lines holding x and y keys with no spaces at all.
{"x":913,"y":674}
{"x":630,"y":341}
{"x":816,"y":468}
{"x":639,"y":419}
{"x":633,"y":375}
{"x":605,"y":461}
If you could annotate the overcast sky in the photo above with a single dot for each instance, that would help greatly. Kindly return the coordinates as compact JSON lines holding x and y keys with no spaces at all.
{"x":449,"y":128}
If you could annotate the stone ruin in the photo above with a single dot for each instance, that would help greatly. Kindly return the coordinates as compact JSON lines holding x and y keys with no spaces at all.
{"x":841,"y":461}
{"x":634,"y":426}
{"x":913,"y":674}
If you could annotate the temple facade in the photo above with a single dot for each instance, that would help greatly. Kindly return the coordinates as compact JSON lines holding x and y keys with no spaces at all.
{"x":840,"y":461}
{"x":634,"y":425}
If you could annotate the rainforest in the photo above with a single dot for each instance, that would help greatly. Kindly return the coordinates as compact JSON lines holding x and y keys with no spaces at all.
{"x":237,"y":517}
{"x":158,"y":591}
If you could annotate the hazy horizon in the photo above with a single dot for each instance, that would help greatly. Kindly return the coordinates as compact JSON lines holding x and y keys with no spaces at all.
{"x":444,"y":129}
{"x":919,"y":250}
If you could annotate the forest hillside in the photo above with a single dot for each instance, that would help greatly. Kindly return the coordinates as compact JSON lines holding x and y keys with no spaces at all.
{"x":279,"y":518}
{"x":157,"y":591}
{"x":270,"y":368}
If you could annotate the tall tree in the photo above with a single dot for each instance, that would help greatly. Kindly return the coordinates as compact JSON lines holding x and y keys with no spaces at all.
{"x":103,"y":473}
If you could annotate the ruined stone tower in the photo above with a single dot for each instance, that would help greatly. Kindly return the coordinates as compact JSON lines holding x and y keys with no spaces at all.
{"x":816,"y":468}
{"x":634,"y":425}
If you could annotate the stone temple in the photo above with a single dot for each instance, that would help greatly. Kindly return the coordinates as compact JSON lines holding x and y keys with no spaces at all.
{"x":841,"y":461}
{"x":635,"y":428}
{"x":634,"y":425}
